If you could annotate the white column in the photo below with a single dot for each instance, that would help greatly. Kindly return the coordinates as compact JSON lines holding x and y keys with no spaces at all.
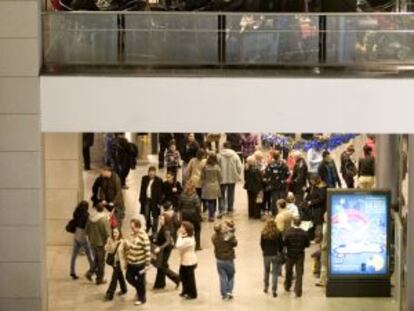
{"x":410,"y":227}
{"x":22,"y":251}
{"x":63,"y":183}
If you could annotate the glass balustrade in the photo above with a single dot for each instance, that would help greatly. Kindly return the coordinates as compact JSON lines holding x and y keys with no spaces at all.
{"x":188,"y":39}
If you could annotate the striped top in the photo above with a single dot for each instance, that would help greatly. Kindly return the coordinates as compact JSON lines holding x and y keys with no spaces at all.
{"x":138,"y":250}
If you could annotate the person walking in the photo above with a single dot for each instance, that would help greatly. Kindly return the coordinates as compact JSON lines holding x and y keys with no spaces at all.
{"x":164,"y":244}
{"x":276,"y":176}
{"x":189,"y":209}
{"x":315,"y":204}
{"x":271,"y":243}
{"x":328,"y":172}
{"x":324,"y":254}
{"x":164,"y":140}
{"x":366,"y":169}
{"x":98,"y":231}
{"x":299,"y":177}
{"x":188,"y":260}
{"x":138,"y":258}
{"x":194,"y":169}
{"x":190,"y":152}
{"x":231,"y":170}
{"x":224,"y":241}
{"x":253,"y":184}
{"x":171,"y":189}
{"x":115,"y":250}
{"x":150,"y":198}
{"x":173,"y":159}
{"x":80,"y":240}
{"x":348,"y":168}
{"x":296,"y":241}
{"x":87,"y":143}
{"x":211,"y":180}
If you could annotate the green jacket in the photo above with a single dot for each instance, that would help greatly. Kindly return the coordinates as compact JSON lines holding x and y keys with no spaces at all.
{"x":98,"y":229}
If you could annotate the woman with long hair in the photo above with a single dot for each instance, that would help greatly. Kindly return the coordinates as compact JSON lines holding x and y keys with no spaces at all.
{"x":115,"y":249}
{"x":164,"y":243}
{"x":80,"y":218}
{"x":271,"y":243}
{"x":189,"y":209}
{"x":188,"y":260}
{"x":210,"y":181}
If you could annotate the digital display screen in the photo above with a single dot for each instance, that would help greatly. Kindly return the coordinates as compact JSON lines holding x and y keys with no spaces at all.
{"x":359,"y":228}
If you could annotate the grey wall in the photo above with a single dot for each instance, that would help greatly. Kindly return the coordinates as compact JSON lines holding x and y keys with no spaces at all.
{"x":21,"y":234}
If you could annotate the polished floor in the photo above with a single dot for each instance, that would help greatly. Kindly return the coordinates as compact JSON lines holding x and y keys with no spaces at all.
{"x":66,"y":294}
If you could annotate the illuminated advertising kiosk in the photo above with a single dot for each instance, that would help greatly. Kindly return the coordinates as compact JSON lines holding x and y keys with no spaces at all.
{"x":358,"y":243}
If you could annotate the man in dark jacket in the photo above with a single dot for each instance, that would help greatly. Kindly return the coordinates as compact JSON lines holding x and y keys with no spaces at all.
{"x":122,"y":158}
{"x":296,"y":240}
{"x":366,"y":169}
{"x":224,"y":242}
{"x":348,"y":168}
{"x":150,"y":198}
{"x":328,"y":172}
{"x":108,"y":190}
{"x":87,"y":143}
{"x":276,"y":175}
{"x":299,"y":177}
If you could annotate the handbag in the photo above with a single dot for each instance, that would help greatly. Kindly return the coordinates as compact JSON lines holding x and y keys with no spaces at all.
{"x":259,"y":198}
{"x":156,"y":259}
{"x":110,"y":259}
{"x":71,"y":226}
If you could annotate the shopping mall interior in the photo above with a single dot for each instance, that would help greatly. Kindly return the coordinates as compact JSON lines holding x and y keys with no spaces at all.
{"x":67,"y":182}
{"x":302,"y":77}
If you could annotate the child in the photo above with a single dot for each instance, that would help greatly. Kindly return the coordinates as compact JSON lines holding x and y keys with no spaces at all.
{"x":114,"y":247}
{"x":173,"y":159}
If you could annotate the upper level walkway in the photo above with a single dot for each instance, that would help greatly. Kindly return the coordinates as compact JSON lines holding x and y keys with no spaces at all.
{"x":214,"y":43}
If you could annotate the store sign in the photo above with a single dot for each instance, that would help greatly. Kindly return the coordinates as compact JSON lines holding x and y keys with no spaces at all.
{"x":358,"y":234}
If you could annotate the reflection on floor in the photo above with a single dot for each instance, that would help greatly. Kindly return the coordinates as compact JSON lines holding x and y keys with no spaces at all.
{"x":65,"y":294}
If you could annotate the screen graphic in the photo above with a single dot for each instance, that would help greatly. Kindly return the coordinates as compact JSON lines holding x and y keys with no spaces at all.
{"x":359,"y":234}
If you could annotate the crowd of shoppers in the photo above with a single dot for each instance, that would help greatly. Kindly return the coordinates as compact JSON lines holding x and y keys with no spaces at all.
{"x":172,"y":215}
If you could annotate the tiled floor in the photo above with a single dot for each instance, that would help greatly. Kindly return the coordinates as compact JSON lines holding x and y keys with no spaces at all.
{"x":65,"y":294}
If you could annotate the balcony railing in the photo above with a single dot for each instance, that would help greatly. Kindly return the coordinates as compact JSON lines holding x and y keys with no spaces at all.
{"x":225,"y":40}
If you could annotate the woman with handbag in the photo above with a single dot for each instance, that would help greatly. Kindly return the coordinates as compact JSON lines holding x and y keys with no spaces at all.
{"x":271,"y":243}
{"x":77,"y":226}
{"x":115,"y":258}
{"x":164,"y":243}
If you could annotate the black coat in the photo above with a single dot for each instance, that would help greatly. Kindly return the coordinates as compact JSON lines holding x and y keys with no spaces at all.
{"x":253,"y":178}
{"x":316,"y":202}
{"x":87,"y":140}
{"x":235,"y":141}
{"x":190,"y":151}
{"x":323,"y":172}
{"x":299,"y":176}
{"x":80,"y":217}
{"x":169,"y":195}
{"x":156,"y":191}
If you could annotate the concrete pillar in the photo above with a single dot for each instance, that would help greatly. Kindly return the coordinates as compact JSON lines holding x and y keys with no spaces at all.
{"x":63,"y":182}
{"x":22,"y":251}
{"x":410,"y":228}
{"x":387,"y":164}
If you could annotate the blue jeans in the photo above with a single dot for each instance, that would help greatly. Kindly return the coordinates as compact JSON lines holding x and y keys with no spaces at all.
{"x":227,"y":198}
{"x":226,"y":273}
{"x":211,"y":207}
{"x":271,"y":264}
{"x":77,"y":245}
